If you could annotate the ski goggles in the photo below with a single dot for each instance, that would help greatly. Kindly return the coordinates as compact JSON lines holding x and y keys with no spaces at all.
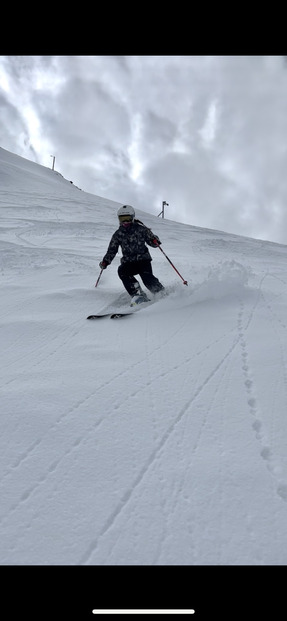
{"x":125,"y":218}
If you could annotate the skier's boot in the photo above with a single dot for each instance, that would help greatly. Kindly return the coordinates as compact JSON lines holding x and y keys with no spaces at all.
{"x":139,"y":297}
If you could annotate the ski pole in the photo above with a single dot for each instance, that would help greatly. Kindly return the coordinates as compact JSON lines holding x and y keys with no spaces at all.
{"x":146,"y":227}
{"x":184,"y":281}
{"x":99,"y":278}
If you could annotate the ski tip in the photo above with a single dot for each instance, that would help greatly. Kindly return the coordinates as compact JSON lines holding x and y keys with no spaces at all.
{"x":95,"y":316}
{"x":119,"y":315}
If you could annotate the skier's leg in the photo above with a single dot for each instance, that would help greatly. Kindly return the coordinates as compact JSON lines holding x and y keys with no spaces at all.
{"x":150,"y":281}
{"x":126,"y":273}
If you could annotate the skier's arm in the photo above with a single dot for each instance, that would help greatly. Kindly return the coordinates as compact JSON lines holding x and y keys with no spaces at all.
{"x":111,"y":251}
{"x":152,"y":239}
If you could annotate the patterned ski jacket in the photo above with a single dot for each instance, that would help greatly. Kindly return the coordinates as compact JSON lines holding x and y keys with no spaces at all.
{"x":132,"y":240}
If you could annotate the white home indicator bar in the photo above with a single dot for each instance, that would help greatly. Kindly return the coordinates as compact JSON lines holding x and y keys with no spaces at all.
{"x":156,"y":611}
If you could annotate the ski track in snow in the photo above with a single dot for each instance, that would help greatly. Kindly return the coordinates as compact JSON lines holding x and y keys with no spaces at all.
{"x":266,"y":452}
{"x":257,"y":423}
{"x":52,"y":467}
{"x":243,"y":322}
{"x":102,"y":386}
{"x":251,"y":402}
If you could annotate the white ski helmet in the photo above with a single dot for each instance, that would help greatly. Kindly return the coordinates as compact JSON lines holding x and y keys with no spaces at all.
{"x":126,"y":210}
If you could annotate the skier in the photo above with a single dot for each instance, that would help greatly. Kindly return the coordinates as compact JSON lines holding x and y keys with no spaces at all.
{"x":136,"y":259}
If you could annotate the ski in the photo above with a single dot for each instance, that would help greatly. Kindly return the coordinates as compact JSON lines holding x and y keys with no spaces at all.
{"x":119,"y":315}
{"x":114,"y":314}
{"x":124,"y":311}
{"x":111,"y":315}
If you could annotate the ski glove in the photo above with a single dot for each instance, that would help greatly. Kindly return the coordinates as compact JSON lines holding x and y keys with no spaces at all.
{"x":156,"y":241}
{"x":103,"y":265}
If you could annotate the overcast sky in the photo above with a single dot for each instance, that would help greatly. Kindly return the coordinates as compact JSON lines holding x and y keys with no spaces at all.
{"x":206,"y":134}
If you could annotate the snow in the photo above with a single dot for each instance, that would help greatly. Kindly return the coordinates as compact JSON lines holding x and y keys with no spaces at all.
{"x":156,"y":439}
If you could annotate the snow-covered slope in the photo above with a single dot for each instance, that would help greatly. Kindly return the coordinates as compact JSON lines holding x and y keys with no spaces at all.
{"x":159,"y":439}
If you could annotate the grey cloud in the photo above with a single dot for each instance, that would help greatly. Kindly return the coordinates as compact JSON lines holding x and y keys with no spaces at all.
{"x":139,"y":129}
{"x":84,"y":118}
{"x":158,"y":131}
{"x":24,"y":69}
{"x":13,"y":130}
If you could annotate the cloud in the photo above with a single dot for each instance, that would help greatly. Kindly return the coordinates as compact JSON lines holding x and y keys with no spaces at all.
{"x":85,"y":119}
{"x":205,"y":133}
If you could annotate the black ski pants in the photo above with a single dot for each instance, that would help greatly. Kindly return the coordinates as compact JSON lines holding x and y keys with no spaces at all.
{"x":127,"y":271}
